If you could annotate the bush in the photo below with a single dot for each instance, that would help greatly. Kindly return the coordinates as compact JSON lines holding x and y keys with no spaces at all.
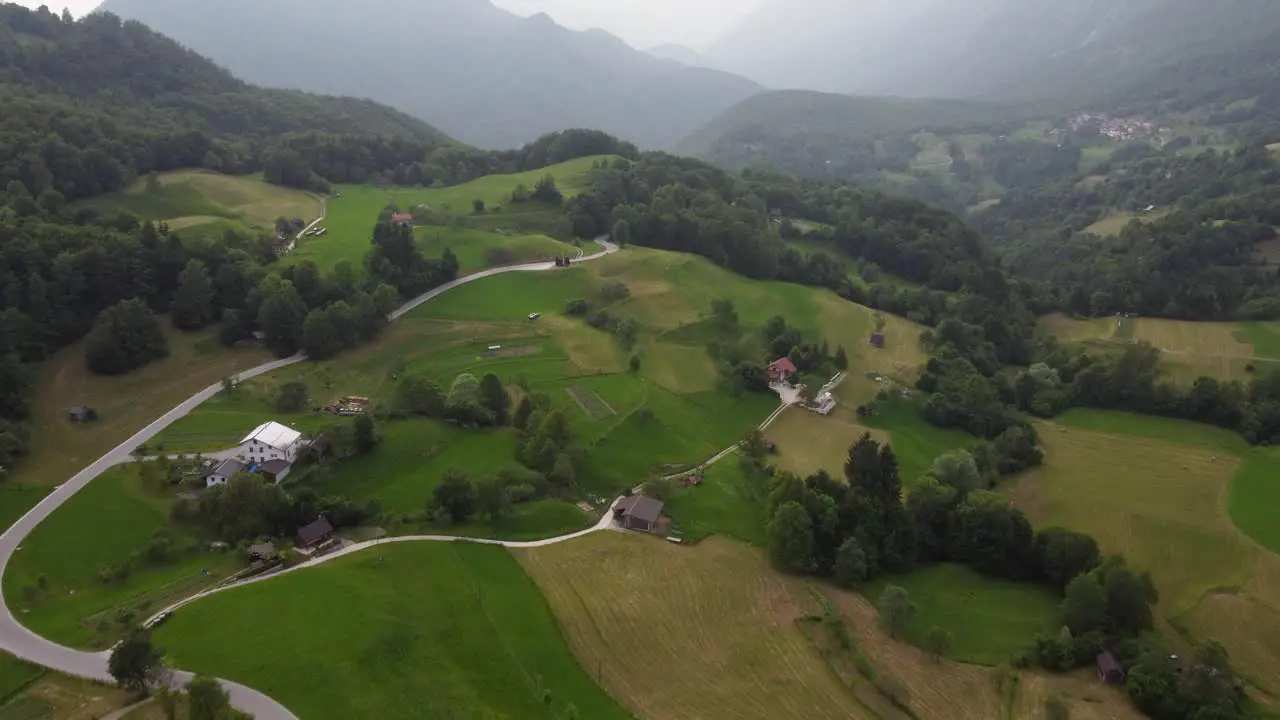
{"x":577,"y":307}
{"x":522,"y":493}
{"x":292,"y":397}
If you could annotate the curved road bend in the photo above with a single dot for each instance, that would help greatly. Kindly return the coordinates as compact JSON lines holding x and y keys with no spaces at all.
{"x":23,"y":643}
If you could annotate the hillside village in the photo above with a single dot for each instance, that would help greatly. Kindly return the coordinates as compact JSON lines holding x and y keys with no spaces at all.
{"x":750,"y":403}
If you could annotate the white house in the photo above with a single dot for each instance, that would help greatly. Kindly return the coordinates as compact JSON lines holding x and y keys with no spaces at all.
{"x":223,"y":471}
{"x":270,"y":441}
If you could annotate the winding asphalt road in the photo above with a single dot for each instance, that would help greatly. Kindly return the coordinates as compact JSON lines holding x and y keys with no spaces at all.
{"x":18,"y":640}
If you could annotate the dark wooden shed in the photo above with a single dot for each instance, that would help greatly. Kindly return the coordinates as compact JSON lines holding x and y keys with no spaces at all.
{"x":1109,"y":669}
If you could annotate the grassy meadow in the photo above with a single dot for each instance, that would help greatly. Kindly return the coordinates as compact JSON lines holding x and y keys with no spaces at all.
{"x":190,"y":199}
{"x":729,"y":502}
{"x":125,"y":403}
{"x":990,"y":620}
{"x":354,"y":209}
{"x":915,"y":442}
{"x":102,"y":526}
{"x":1113,"y":224}
{"x":407,"y":631}
{"x":712,"y":631}
{"x":1161,"y":493}
{"x":1224,"y":350}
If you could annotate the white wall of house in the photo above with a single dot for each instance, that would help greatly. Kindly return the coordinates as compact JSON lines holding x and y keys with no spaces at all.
{"x":215,"y":480}
{"x":256,"y":452}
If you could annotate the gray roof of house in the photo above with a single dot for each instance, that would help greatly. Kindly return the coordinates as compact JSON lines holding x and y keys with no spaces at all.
{"x":229,"y":467}
{"x":643,"y":508}
{"x":312,"y":533}
{"x":274,"y":467}
{"x":262,"y":549}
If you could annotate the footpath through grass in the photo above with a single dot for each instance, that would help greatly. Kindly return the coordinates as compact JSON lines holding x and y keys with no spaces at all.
{"x":404,"y":631}
{"x":990,"y":620}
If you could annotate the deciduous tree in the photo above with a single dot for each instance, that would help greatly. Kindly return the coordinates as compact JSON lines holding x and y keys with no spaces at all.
{"x":135,"y":663}
{"x":790,"y":536}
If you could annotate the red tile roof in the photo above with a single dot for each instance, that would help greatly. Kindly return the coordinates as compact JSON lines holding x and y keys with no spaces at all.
{"x":783,"y":365}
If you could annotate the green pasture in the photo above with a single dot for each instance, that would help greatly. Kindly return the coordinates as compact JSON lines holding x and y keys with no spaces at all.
{"x":404,"y":631}
{"x":915,"y":442}
{"x":477,"y":249}
{"x":1255,"y":497}
{"x":188,"y":199}
{"x":990,"y":620}
{"x":1264,"y":337}
{"x":103,"y":525}
{"x":729,"y":502}
{"x":353,"y":211}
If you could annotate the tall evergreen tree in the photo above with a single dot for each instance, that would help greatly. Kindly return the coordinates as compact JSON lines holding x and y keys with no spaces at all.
{"x":193,"y":305}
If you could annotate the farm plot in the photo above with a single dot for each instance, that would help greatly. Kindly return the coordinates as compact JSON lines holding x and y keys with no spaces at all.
{"x":591,"y":403}
{"x":412,"y":630}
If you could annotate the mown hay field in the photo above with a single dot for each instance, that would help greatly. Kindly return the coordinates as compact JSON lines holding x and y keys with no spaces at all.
{"x":674,"y":633}
{"x":711,"y":631}
{"x":1189,"y":350}
{"x":1156,"y":491}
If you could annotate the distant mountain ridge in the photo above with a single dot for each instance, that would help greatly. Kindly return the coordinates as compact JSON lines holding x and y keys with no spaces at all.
{"x":480,"y":73}
{"x":1010,"y":50}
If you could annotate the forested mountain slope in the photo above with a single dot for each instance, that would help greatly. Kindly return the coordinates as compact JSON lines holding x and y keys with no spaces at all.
{"x":484,"y":75}
{"x":91,"y":105}
{"x":823,"y":135}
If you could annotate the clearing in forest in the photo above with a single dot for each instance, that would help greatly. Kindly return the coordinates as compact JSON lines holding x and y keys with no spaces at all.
{"x":188,"y":198}
{"x":406,"y":631}
{"x":1168,"y":516}
{"x":1113,"y":224}
{"x":516,"y":231}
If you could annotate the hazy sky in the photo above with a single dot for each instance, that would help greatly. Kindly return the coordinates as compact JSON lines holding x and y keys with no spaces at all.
{"x":643,"y":23}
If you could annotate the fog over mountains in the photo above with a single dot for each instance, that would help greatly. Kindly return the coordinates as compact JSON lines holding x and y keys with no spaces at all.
{"x":989,"y":49}
{"x":482,"y":74}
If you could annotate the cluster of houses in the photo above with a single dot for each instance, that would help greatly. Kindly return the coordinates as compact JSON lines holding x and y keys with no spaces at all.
{"x":1121,"y":129}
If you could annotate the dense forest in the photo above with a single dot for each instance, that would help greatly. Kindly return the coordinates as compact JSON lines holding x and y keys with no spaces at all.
{"x":1199,"y":260}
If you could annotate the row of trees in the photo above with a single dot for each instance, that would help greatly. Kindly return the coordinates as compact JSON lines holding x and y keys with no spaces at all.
{"x":1132,"y":380}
